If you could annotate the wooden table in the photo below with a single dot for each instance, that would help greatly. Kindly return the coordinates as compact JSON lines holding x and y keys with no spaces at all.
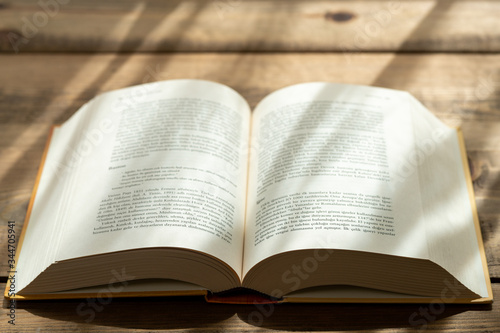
{"x":56,"y":57}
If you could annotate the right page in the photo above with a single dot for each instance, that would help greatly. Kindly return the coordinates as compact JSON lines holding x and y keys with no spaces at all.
{"x":339,"y":166}
{"x":448,"y":203}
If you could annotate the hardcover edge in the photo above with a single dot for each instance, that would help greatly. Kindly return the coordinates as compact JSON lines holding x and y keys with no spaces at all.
{"x":475,"y":216}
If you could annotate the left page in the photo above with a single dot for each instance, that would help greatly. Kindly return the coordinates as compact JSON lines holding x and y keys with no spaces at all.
{"x":157,"y":165}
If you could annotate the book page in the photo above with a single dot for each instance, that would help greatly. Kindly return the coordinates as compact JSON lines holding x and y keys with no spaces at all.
{"x":325,"y":172}
{"x":448,"y":205}
{"x":157,"y":165}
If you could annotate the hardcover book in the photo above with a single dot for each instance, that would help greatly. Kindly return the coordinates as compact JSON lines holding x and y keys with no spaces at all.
{"x":323,"y":193}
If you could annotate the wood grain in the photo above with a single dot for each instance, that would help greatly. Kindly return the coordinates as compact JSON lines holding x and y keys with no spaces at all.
{"x":38,"y":91}
{"x":46,"y":87}
{"x":194,"y":315}
{"x":236,"y":25}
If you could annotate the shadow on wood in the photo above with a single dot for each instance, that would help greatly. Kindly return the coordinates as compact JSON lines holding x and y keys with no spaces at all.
{"x":192,"y":313}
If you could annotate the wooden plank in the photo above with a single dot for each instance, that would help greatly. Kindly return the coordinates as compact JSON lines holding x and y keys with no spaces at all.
{"x":39,"y":90}
{"x":194,"y":315}
{"x":235,"y":25}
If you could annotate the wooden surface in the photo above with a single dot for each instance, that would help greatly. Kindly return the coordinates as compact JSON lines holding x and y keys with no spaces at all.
{"x":194,"y":315}
{"x":43,"y":89}
{"x":72,"y":57}
{"x":237,"y":25}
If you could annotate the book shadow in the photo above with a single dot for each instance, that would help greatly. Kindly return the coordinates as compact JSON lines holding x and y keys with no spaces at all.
{"x":133,"y":313}
{"x":347,"y":317}
{"x":195,"y":313}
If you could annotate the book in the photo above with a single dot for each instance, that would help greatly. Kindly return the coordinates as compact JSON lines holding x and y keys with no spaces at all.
{"x":323,"y":193}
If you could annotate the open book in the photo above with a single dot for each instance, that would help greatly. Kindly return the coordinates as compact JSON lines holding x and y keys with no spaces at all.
{"x":325,"y":192}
